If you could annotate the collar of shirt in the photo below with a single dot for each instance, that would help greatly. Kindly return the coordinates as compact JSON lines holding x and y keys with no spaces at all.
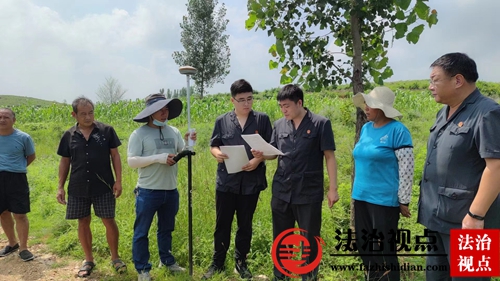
{"x":96,"y":128}
{"x":234,"y":119}
{"x":305,"y":120}
{"x":470,"y":99}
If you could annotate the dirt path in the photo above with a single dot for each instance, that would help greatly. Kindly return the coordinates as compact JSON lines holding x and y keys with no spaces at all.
{"x":49,"y":267}
{"x":45,"y":266}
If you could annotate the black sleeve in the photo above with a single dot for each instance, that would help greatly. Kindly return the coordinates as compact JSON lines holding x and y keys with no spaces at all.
{"x":274,"y":140}
{"x":216,"y":140}
{"x":327,"y":139}
{"x":64,"y":149}
{"x":267,"y":129}
{"x":114,"y":141}
{"x":486,"y":141}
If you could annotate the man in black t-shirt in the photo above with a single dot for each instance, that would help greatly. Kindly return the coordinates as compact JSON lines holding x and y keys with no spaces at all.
{"x":305,"y":139}
{"x":90,"y":148}
{"x":237,"y":193}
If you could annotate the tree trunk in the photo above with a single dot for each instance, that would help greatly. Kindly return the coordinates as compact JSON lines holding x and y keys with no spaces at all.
{"x":357,"y":83}
{"x":202,"y":87}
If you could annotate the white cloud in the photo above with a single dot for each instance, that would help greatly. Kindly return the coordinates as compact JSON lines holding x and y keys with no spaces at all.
{"x":468,"y":26}
{"x":249,"y":53}
{"x":58,"y":50}
{"x":47,"y":56}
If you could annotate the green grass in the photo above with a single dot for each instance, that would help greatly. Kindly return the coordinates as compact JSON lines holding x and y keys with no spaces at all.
{"x":46,"y":124}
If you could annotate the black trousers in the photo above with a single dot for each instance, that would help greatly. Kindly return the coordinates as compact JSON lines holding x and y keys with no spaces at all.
{"x":227,"y":204}
{"x":308,"y":217}
{"x":369,"y":220}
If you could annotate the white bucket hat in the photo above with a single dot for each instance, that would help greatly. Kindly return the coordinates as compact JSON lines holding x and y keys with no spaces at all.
{"x":381,"y":98}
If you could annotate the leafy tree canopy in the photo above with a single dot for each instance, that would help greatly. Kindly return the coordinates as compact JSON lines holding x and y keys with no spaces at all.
{"x":362,"y":29}
{"x":205,"y":44}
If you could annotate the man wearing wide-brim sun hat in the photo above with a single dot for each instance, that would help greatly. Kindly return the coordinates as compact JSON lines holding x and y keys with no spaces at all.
{"x":384,"y":163}
{"x":151,"y":149}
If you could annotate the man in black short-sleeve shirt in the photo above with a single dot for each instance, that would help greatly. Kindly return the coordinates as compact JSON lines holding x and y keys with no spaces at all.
{"x":91,"y":173}
{"x":305,"y":139}
{"x":237,"y":192}
{"x":90,"y":148}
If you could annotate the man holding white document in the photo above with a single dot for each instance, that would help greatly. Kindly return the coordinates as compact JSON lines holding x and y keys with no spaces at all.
{"x":240,"y":177}
{"x":305,"y":139}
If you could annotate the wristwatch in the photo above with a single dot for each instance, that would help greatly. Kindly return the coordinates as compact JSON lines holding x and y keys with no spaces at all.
{"x":475,"y":216}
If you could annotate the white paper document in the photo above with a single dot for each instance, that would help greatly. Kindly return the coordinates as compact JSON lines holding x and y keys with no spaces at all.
{"x":256,"y":142}
{"x":237,"y":157}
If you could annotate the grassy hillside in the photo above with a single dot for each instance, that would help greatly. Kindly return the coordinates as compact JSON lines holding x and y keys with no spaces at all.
{"x":9,"y":101}
{"x":47,"y":124}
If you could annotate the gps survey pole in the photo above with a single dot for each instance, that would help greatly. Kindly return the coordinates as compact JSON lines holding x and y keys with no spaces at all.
{"x":188,"y":71}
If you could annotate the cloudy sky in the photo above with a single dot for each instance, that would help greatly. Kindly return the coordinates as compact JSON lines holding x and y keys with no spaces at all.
{"x":58,"y":50}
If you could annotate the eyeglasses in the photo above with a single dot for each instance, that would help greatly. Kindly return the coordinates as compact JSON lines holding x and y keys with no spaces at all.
{"x":247,"y":100}
{"x":434,"y":82}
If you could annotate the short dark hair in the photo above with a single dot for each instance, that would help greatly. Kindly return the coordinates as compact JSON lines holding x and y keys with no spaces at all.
{"x":10,"y":110}
{"x":458,"y":63}
{"x":240,"y":86}
{"x":81,"y":100}
{"x":291,"y":92}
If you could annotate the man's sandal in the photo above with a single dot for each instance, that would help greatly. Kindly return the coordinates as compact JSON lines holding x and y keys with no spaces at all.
{"x":119,"y":266}
{"x":86,"y":269}
{"x":8,"y":250}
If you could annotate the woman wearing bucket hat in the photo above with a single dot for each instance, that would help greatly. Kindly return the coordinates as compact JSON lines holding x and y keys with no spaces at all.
{"x":151,"y":149}
{"x":383,"y":159}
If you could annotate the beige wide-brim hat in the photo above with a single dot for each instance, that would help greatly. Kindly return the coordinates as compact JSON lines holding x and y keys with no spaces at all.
{"x":381,"y":98}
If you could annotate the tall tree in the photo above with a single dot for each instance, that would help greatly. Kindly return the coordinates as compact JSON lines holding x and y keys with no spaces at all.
{"x":111,"y":91}
{"x":205,"y":44}
{"x":362,"y":29}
